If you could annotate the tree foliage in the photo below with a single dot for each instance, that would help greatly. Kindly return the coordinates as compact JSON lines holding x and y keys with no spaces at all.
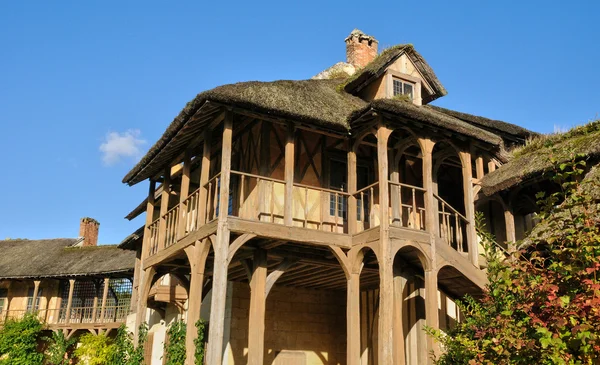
{"x":542,"y":303}
{"x":200,"y":342}
{"x":59,"y":348}
{"x":95,"y":349}
{"x":19,"y":341}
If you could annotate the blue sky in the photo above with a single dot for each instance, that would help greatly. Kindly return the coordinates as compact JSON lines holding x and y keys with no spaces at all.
{"x":79,"y":75}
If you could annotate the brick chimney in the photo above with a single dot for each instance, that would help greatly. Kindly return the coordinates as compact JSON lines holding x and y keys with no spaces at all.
{"x":88,"y":229}
{"x":360,"y":48}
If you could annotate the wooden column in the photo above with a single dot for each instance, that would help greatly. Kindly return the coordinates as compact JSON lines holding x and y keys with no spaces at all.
{"x":509,"y":220}
{"x":95,"y":304}
{"x":221,"y":250}
{"x":70,"y":300}
{"x":149,"y":216}
{"x":431,"y":309}
{"x":256,"y":323}
{"x":467,"y":176}
{"x":399,"y":284}
{"x":264,"y":186}
{"x":289,"y":176}
{"x":104,"y":298}
{"x":352,"y":183}
{"x":353,"y":320}
{"x":204,"y":176}
{"x":36,"y":288}
{"x":479,"y":167}
{"x":491,"y":166}
{"x":184,"y":193}
{"x":431,"y":206}
{"x":386,"y":275}
{"x":164,"y":207}
{"x":197,"y":258}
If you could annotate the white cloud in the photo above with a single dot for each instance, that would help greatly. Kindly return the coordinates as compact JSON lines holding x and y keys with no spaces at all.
{"x":117,"y":146}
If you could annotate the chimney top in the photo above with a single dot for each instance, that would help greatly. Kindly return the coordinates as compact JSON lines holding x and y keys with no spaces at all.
{"x":361,"y":49}
{"x":88,"y":229}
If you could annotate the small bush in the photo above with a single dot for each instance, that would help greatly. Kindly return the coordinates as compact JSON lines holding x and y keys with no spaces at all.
{"x":175,"y":344}
{"x":59,"y":349}
{"x":19,"y":341}
{"x":95,"y":349}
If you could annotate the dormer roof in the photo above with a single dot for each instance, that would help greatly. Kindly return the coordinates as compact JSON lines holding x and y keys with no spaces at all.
{"x":379,"y":65}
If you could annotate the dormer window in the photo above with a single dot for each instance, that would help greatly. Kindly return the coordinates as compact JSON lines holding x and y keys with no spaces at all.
{"x":402,"y":87}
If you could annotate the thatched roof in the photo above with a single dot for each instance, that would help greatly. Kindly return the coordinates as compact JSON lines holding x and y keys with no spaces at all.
{"x":535,"y":158}
{"x":509,"y":131}
{"x":429,"y":116}
{"x":58,"y":258}
{"x":313,"y":102}
{"x":378,"y":66}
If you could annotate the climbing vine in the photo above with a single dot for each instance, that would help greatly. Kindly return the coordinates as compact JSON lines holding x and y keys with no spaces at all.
{"x":59,"y":348}
{"x":175,"y":344}
{"x":200,"y":342}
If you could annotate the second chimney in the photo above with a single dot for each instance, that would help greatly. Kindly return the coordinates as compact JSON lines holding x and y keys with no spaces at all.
{"x":361,"y":49}
{"x":88,"y":229}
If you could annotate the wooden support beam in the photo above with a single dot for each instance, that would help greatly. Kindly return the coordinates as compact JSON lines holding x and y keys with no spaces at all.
{"x":289,"y":176}
{"x":352,"y":181}
{"x":479,"y":168}
{"x":386,"y":300}
{"x":214,"y":354}
{"x":70,"y":300}
{"x":36,"y":288}
{"x":469,"y":202}
{"x":431,"y":310}
{"x":204,"y":176}
{"x":509,"y":220}
{"x":353,"y":320}
{"x":184,"y":192}
{"x":399,"y":343}
{"x":284,"y":266}
{"x":95,"y":304}
{"x":149,"y":216}
{"x":197,"y":255}
{"x":256,"y":325}
{"x":104,"y":299}
{"x":164,"y":207}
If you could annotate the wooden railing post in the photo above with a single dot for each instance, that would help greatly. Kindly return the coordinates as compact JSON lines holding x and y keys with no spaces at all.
{"x":289,"y":176}
{"x":149,"y":215}
{"x":70,"y":300}
{"x":352,"y":181}
{"x":204,"y":176}
{"x":164,"y":207}
{"x":184,"y":193}
{"x":95,"y":305}
{"x":469,"y":200}
{"x":104,"y":298}
{"x":36,"y":288}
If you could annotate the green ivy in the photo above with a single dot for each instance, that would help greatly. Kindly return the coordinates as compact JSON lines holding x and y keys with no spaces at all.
{"x":58,"y":351}
{"x":200,"y":342}
{"x":175,"y":344}
{"x":542,"y":303}
{"x":19,"y":341}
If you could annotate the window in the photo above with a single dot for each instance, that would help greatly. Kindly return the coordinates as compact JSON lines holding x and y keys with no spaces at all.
{"x":403,"y":88}
{"x":30,"y":306}
{"x":3,"y":299}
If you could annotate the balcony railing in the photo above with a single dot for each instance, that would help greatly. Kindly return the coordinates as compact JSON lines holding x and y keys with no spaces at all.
{"x":77,"y":315}
{"x":262,"y":199}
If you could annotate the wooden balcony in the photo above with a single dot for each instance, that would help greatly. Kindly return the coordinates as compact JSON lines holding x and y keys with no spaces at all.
{"x":77,"y":317}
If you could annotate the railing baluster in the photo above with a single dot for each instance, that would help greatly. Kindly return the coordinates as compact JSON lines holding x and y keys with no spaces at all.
{"x":216,"y":198}
{"x":414,"y":209}
{"x":272,"y":202}
{"x":336,"y":212}
{"x":306,"y":208}
{"x":208,"y":201}
{"x":401,"y":222}
{"x":242,"y":192}
{"x":371,"y":204}
{"x":362,"y":210}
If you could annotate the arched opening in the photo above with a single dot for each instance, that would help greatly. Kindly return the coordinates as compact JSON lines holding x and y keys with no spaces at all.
{"x":409,"y":306}
{"x":453,"y":286}
{"x":449,"y":193}
{"x":407,"y":197}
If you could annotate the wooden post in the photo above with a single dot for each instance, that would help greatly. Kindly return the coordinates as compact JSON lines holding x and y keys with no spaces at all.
{"x":467,"y":176}
{"x":509,"y":220}
{"x":164,"y":207}
{"x":214,"y":353}
{"x":431,"y":208}
{"x":431,"y":309}
{"x":386,"y":275}
{"x":256,"y":323}
{"x":491,"y":166}
{"x":399,"y":284}
{"x":289,"y":176}
{"x":36,"y":288}
{"x":104,"y":298}
{"x":70,"y":300}
{"x":352,"y":203}
{"x":149,"y":216}
{"x":197,"y":259}
{"x":353,"y":320}
{"x":479,"y":167}
{"x":204,"y":176}
{"x":95,"y":304}
{"x":183,"y":193}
